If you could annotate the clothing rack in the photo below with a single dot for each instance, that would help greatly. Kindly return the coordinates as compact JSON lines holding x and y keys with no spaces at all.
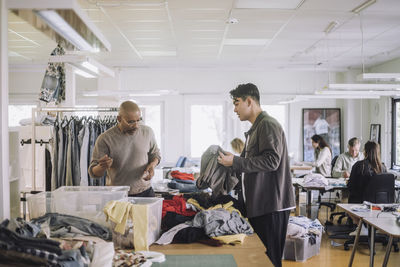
{"x":35,"y":111}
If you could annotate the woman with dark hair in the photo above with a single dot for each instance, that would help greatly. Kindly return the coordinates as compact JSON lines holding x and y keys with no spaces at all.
{"x":322,"y":155}
{"x":363,"y":170}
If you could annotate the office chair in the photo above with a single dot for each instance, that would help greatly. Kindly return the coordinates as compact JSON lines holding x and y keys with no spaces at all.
{"x":330,"y":205}
{"x":181,"y":162}
{"x":380,"y":189}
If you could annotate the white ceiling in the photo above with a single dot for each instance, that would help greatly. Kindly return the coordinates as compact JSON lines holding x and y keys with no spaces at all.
{"x":195,"y":33}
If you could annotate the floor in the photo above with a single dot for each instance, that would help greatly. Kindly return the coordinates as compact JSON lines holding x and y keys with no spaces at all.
{"x":336,"y":256}
{"x":330,"y":256}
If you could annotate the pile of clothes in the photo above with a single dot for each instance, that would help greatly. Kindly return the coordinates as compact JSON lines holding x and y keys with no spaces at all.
{"x":25,"y":243}
{"x":200,"y":218}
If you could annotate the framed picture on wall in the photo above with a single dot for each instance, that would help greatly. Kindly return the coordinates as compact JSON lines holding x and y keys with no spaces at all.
{"x":375,"y":133}
{"x":324,"y":122}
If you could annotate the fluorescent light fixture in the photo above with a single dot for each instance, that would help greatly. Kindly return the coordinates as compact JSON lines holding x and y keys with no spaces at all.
{"x":271,"y":4}
{"x":90,"y":94}
{"x":363,"y":6}
{"x":90,"y":66}
{"x":331,"y":26}
{"x":245,"y":41}
{"x":128,"y":93}
{"x":58,"y":24}
{"x":338,"y":96}
{"x":380,"y":76}
{"x":84,"y":73}
{"x":364,"y":86}
{"x":371,"y":92}
{"x":143,"y":94}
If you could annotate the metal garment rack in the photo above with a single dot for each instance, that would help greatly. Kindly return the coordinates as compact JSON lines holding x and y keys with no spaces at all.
{"x":35,"y":111}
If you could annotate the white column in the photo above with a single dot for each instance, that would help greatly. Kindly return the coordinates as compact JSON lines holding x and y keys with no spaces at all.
{"x":70,"y":86}
{"x":4,"y":156}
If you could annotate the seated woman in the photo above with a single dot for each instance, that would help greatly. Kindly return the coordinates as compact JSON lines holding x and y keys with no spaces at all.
{"x":362,"y":170}
{"x":322,"y":156}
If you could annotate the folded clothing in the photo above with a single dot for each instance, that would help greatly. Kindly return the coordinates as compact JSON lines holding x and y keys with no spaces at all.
{"x":182,"y":176}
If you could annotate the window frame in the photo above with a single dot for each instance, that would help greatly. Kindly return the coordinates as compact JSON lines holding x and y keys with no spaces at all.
{"x":393,"y":159}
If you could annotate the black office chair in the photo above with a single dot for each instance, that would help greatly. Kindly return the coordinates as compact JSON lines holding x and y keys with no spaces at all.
{"x":330,"y":205}
{"x":380,"y":189}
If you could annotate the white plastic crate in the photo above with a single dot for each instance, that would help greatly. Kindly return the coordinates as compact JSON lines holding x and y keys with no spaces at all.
{"x":81,"y":201}
{"x":150,"y":219}
{"x":40,"y":204}
{"x":300,"y":249}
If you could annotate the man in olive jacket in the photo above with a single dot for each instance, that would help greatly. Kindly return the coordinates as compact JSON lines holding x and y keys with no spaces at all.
{"x":267,"y":190}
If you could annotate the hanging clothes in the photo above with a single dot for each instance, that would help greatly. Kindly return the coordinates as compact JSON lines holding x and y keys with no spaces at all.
{"x":53,"y":85}
{"x":73,"y":146}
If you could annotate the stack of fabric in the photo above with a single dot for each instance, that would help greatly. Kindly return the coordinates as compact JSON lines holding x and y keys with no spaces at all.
{"x":183,"y":181}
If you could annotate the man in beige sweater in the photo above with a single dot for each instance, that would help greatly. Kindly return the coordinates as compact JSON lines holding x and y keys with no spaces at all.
{"x":127,"y":152}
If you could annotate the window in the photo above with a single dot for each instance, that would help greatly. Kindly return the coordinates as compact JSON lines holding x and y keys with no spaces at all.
{"x":206,"y":128}
{"x":152,"y":118}
{"x":278,"y":112}
{"x":94,"y":114}
{"x":396,"y":134}
{"x":18,"y":112}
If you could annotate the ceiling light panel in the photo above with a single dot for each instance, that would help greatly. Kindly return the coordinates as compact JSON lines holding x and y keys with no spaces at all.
{"x":337,"y":5}
{"x":272,"y":4}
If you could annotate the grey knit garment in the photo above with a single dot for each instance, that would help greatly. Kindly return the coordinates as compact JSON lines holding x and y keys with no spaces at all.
{"x":220,"y":222}
{"x":219,"y":178}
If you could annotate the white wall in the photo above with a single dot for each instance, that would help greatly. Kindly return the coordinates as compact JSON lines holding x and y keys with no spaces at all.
{"x":214,"y":80}
{"x":215,"y":84}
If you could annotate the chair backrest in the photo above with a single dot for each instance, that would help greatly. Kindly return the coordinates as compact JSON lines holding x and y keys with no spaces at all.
{"x":333,"y":162}
{"x":380,"y":188}
{"x":181,"y":162}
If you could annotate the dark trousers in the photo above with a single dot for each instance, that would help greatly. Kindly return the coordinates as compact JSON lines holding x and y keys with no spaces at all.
{"x":271,"y":228}
{"x":147,"y":193}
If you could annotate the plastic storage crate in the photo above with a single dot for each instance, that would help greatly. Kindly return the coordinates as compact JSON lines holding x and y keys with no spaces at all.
{"x":81,"y":201}
{"x":300,"y":249}
{"x":149,"y":217}
{"x":40,"y":204}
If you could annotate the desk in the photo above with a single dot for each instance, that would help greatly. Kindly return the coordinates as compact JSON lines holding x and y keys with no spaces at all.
{"x":389,"y":227}
{"x":250,"y":253}
{"x":363,"y":216}
{"x":298,"y":184}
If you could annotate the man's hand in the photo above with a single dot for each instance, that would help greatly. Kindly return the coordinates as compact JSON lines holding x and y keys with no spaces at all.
{"x":149,"y":171}
{"x":105,"y":162}
{"x":346,"y":174}
{"x":225,"y":159}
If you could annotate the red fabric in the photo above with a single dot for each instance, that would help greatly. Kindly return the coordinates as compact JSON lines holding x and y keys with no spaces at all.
{"x":178,"y":205}
{"x":182,"y":175}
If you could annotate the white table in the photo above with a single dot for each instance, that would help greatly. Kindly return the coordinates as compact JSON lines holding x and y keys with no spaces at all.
{"x":387,"y":225}
{"x":363,"y":216}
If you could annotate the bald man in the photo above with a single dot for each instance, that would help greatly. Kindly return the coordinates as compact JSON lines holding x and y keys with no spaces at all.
{"x":127,"y":152}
